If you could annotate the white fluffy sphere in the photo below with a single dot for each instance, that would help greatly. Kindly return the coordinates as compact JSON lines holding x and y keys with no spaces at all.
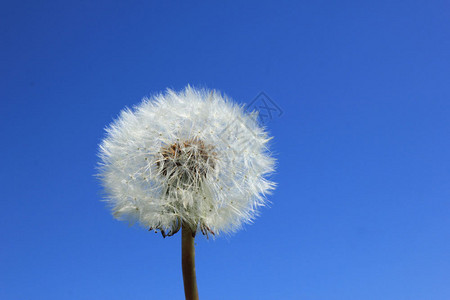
{"x":191,"y":157}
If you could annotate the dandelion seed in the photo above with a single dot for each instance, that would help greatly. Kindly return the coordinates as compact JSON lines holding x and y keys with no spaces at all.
{"x":191,"y":159}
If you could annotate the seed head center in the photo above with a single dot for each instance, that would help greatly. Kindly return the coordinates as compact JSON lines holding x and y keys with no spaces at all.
{"x":188,"y":162}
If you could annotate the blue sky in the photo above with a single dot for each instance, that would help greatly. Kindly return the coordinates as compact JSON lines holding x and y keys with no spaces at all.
{"x":362,"y":207}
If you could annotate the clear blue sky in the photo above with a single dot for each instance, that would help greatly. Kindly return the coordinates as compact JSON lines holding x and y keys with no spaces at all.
{"x":362,"y":209}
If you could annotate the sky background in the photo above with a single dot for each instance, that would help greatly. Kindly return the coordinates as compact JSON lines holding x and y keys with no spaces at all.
{"x":362,"y":206}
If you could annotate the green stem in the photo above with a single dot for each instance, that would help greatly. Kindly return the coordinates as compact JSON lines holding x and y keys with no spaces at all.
{"x":188,"y":263}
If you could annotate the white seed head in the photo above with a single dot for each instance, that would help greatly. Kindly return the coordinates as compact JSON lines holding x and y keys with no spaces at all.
{"x":192,"y":157}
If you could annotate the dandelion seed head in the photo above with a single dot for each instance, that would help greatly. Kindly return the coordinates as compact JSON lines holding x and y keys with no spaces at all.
{"x":191,"y":157}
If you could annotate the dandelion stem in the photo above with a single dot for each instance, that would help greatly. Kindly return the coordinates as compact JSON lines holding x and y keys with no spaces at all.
{"x":188,"y":263}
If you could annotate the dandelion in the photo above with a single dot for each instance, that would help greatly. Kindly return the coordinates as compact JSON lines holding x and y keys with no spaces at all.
{"x":190,"y":160}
